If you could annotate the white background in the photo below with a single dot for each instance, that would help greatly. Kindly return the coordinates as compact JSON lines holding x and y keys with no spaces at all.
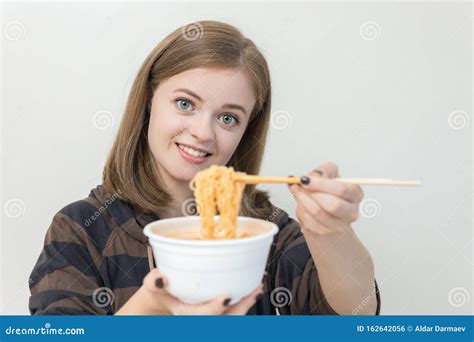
{"x":382,"y":89}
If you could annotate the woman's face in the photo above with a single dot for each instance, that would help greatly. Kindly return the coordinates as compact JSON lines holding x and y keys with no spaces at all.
{"x":197,"y":119}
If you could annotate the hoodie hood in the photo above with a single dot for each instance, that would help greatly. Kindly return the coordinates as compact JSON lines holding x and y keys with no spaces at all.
{"x":128,"y":218}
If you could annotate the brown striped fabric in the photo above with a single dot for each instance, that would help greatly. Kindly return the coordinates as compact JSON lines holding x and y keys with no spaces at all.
{"x":95,"y":257}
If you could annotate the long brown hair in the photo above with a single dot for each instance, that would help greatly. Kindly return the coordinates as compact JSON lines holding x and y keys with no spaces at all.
{"x":130,"y":169}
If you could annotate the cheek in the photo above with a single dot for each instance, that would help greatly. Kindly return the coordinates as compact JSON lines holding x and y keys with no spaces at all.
{"x":156,"y":132}
{"x":162,"y":129}
{"x":227,"y":144}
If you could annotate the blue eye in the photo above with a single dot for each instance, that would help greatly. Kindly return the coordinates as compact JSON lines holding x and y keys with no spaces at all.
{"x":229,"y":120}
{"x":184,"y":104}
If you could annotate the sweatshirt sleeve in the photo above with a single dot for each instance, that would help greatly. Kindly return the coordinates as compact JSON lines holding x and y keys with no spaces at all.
{"x":296,"y":288}
{"x":65,"y":280}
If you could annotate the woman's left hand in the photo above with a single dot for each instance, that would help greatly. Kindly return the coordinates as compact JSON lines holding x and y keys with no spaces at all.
{"x":324,"y":205}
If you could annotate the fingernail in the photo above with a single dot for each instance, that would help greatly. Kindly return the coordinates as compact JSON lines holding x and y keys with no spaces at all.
{"x":305,"y":180}
{"x":319,"y":172}
{"x":226,"y":301}
{"x":159,"y":283}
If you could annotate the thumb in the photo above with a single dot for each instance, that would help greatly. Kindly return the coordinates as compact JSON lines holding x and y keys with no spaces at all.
{"x":155,"y":282}
{"x":328,"y":169}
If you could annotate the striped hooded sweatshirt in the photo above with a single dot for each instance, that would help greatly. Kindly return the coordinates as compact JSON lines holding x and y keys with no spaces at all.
{"x":95,"y":257}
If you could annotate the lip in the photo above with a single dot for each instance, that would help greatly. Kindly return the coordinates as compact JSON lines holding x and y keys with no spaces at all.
{"x":190,"y":158}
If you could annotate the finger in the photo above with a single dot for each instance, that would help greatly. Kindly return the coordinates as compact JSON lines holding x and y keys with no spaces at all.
{"x":310,"y":223}
{"x":155,"y":282}
{"x":244,"y":305}
{"x":328,"y":169}
{"x":323,"y":221}
{"x":350,"y":192}
{"x":337,"y":206}
{"x":156,"y":285}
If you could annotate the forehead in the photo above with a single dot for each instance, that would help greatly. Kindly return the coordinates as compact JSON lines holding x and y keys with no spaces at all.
{"x":219,"y":85}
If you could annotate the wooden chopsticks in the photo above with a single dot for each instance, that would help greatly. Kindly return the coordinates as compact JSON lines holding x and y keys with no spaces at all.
{"x":251,"y":179}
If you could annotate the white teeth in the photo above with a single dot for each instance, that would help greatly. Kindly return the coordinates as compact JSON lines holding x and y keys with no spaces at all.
{"x":192,"y":151}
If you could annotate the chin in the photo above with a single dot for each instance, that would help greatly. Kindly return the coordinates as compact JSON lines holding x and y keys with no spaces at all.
{"x":186,"y":173}
{"x":181,"y":174}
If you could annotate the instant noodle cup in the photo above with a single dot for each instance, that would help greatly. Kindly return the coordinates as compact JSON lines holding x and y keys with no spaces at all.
{"x":200,"y":270}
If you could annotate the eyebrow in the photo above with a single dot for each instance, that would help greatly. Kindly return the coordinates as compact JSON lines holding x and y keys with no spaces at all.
{"x":227,"y":105}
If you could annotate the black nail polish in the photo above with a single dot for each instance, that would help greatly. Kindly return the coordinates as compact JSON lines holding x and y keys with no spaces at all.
{"x":226,"y":301}
{"x":159,"y":283}
{"x":305,"y":180}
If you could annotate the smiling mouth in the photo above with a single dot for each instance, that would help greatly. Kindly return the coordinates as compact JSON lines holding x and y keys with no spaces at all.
{"x":193,"y":152}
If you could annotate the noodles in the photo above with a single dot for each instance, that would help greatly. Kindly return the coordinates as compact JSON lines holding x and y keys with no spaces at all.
{"x":216,"y":191}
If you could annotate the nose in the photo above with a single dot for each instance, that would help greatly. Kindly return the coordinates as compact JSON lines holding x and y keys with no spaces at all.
{"x":200,"y":127}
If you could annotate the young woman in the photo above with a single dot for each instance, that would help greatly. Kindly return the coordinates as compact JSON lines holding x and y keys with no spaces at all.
{"x":200,"y":99}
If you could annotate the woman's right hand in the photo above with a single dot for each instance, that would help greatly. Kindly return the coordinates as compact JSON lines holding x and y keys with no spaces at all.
{"x":152,"y":298}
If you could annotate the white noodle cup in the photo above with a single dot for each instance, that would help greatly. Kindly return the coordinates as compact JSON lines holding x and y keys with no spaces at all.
{"x":201,"y":270}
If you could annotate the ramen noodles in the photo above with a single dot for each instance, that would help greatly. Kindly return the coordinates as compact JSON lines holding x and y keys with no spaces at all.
{"x":216,"y":192}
